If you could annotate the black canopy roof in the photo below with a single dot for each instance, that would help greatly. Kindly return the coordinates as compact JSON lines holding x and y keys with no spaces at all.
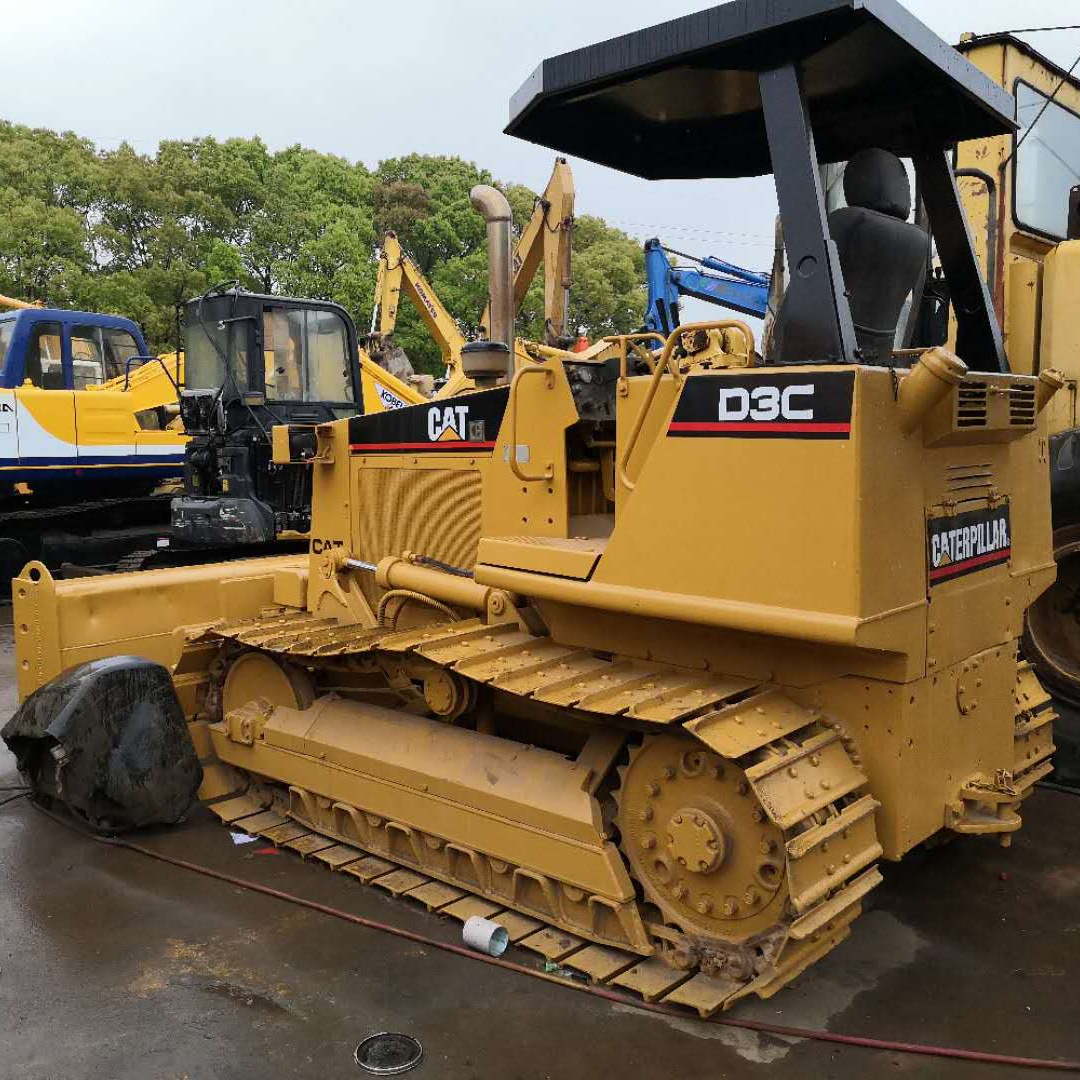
{"x":681,"y":99}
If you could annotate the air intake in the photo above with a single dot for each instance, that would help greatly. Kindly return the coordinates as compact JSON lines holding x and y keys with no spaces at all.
{"x":965,"y":482}
{"x":1022,"y":405}
{"x":971,"y":404}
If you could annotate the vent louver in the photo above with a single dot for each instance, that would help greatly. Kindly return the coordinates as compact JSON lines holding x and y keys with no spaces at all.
{"x":971,"y":405}
{"x":1022,"y":405}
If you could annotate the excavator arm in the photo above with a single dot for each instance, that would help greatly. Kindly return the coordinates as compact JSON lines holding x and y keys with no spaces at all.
{"x":729,"y":286}
{"x":398,"y":273}
{"x":546,"y":239}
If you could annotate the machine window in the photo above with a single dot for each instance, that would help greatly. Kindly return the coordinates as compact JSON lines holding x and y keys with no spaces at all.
{"x":205,"y":345}
{"x":330,"y":377}
{"x":1047,"y":162}
{"x":99,"y":354}
{"x":87,"y":352}
{"x":7,"y":329}
{"x":307,"y":356}
{"x":119,"y":348}
{"x":44,"y":361}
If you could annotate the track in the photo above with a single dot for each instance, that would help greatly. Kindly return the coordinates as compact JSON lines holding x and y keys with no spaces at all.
{"x":714,"y":921}
{"x":650,"y":978}
{"x":702,"y":756}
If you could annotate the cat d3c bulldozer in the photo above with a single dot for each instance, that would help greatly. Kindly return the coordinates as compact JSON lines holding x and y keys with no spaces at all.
{"x":657,"y":679}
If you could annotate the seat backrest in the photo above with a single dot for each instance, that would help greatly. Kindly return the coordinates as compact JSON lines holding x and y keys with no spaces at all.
{"x":881,"y":252}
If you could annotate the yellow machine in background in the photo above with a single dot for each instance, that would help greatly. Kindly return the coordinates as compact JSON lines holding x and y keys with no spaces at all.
{"x":657,"y":667}
{"x":398,"y":274}
{"x":1022,"y":195}
{"x":545,"y":240}
{"x":89,"y":431}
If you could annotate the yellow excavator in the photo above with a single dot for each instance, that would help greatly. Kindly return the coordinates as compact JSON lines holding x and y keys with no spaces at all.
{"x":653,"y":670}
{"x":398,"y":273}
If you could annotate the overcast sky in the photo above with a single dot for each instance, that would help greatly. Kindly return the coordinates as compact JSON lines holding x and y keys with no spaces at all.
{"x":370,"y":80}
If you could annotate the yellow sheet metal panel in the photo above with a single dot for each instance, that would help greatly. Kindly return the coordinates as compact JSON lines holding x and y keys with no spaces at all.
{"x":150,"y":613}
{"x":290,"y":586}
{"x":1022,"y":315}
{"x":569,"y":557}
{"x":1060,"y":337}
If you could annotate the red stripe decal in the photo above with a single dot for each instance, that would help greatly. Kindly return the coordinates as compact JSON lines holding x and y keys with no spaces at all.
{"x":444,"y":444}
{"x":970,"y":564}
{"x":785,"y":426}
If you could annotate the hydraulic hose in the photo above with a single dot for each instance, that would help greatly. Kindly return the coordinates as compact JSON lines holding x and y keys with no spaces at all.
{"x":866,"y":1042}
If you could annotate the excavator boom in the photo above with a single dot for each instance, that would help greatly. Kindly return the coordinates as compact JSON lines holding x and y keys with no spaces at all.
{"x":547,"y":238}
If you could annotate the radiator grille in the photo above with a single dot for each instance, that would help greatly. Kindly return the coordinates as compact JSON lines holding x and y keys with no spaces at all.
{"x":969,"y":481}
{"x":432,"y":512}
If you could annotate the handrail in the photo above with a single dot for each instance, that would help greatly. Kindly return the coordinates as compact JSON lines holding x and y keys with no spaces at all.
{"x":634,"y":341}
{"x":991,"y":220}
{"x":145,"y":360}
{"x":665,"y":362}
{"x":549,"y":469}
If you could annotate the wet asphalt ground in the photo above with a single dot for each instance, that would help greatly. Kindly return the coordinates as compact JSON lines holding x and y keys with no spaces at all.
{"x":117,"y":967}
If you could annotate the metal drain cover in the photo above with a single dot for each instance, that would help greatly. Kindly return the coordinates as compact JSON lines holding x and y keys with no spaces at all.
{"x":388,"y":1053}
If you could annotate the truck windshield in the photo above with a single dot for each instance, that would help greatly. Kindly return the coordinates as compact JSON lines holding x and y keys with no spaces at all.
{"x":1047,"y":162}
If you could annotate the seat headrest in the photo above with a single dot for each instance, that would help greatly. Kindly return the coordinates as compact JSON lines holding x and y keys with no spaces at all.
{"x":877,"y":180}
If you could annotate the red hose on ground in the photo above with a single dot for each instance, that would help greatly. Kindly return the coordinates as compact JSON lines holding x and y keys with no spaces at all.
{"x":893,"y":1045}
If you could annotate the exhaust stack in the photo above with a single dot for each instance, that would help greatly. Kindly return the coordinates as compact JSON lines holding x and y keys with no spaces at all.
{"x":493,"y":360}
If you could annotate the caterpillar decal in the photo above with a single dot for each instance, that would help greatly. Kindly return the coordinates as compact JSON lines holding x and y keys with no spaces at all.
{"x":469,"y":425}
{"x":959,"y":544}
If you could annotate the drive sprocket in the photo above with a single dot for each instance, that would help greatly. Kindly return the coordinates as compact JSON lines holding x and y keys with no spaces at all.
{"x":699,"y":842}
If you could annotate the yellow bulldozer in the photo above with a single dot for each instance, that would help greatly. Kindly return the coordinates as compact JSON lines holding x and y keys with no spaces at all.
{"x":651,"y":658}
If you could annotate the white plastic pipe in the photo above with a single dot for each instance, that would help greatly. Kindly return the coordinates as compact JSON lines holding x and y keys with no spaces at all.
{"x":485,"y":936}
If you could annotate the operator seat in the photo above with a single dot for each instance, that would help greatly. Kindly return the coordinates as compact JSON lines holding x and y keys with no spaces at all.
{"x":881,"y":252}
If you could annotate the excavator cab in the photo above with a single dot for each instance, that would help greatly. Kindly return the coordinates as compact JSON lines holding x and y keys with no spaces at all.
{"x":253,"y":362}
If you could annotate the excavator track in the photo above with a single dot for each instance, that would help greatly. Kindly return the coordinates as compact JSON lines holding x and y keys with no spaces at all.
{"x":709,"y":926}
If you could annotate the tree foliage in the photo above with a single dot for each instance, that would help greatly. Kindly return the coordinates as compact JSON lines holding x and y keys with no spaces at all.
{"x":136,"y":234}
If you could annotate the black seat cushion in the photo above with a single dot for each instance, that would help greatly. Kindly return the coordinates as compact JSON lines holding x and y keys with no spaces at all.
{"x":881,"y":253}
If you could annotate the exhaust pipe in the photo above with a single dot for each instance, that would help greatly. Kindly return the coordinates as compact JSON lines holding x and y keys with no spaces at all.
{"x":496,"y":210}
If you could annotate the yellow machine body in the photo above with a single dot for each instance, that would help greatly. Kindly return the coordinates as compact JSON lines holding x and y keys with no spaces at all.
{"x":1016,"y":193}
{"x":655,"y":651}
{"x":549,"y":733}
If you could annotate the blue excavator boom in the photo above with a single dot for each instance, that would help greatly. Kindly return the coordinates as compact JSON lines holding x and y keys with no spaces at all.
{"x":729,"y":286}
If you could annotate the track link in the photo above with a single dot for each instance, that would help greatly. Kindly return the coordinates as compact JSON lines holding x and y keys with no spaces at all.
{"x":796,"y":768}
{"x":798,"y":774}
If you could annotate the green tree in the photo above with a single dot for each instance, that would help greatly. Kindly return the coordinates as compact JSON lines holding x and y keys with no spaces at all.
{"x":138,"y":234}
